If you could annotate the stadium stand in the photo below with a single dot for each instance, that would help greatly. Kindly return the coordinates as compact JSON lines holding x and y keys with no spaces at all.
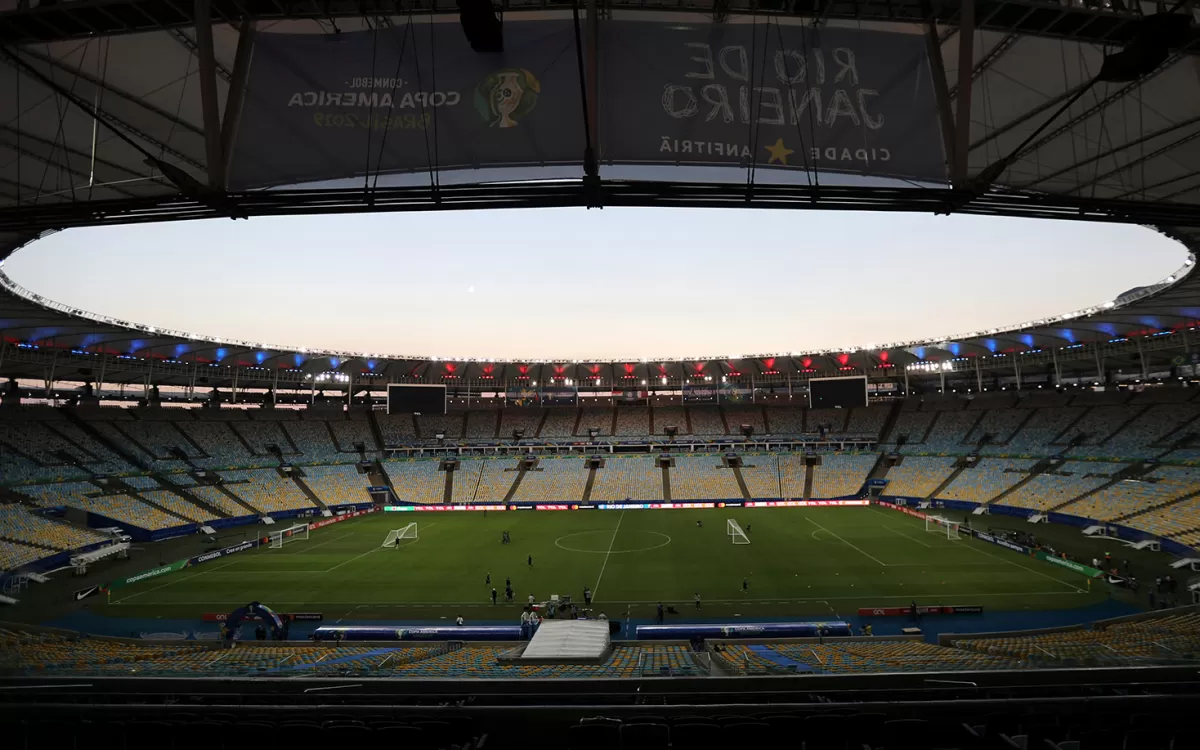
{"x":833,"y":420}
{"x":218,"y":499}
{"x":219,"y":443}
{"x":1097,"y":425}
{"x":157,"y":438}
{"x":258,"y":435}
{"x":419,"y":481}
{"x":1044,"y":426}
{"x":948,"y":430}
{"x":177,"y":505}
{"x":997,"y":426}
{"x":869,"y":421}
{"x":313,"y":440}
{"x":28,"y":454}
{"x":528,"y":420}
{"x":791,"y":474}
{"x":761,"y":475}
{"x":871,"y":656}
{"x":481,"y":425}
{"x":14,"y":555}
{"x":912,"y":426}
{"x":554,"y":480}
{"x":1180,"y":521}
{"x":19,"y":524}
{"x":396,"y":428}
{"x":451,"y":425}
{"x":632,"y":421}
{"x":987,"y":479}
{"x":702,"y":478}
{"x":634,"y":477}
{"x":123,"y":509}
{"x":1162,"y":485}
{"x":265,"y":490}
{"x":560,"y":423}
{"x":736,"y":416}
{"x":337,"y":485}
{"x":786,"y":420}
{"x":919,"y":476}
{"x":484,"y":480}
{"x":1151,"y":426}
{"x":1066,"y":482}
{"x":599,"y":419}
{"x":841,"y":474}
{"x":670,"y":416}
{"x":353,"y":429}
{"x":706,"y":420}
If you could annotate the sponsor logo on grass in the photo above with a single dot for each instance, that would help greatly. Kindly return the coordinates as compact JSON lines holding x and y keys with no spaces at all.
{"x":1070,"y":565}
{"x":152,"y":573}
{"x":82,"y":594}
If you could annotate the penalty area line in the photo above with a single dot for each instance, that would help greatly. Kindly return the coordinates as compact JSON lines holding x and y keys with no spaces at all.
{"x":843,"y":541}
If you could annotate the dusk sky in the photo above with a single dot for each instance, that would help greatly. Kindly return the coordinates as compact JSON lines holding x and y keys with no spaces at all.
{"x":577,"y":284}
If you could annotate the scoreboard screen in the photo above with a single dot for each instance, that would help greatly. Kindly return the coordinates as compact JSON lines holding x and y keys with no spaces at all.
{"x":830,"y":393}
{"x":425,"y":399}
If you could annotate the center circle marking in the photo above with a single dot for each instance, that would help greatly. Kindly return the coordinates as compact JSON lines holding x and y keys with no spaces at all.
{"x":605,"y":536}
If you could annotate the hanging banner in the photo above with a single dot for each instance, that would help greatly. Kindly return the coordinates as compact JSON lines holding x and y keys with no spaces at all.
{"x":772,"y":93}
{"x":559,"y":396}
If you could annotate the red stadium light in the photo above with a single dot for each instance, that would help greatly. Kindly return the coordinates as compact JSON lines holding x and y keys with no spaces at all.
{"x":843,"y":358}
{"x":883,"y":356}
{"x":769,"y":363}
{"x":806,"y":362}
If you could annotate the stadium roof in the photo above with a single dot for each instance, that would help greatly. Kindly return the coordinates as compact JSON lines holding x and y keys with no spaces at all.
{"x":106,"y":105}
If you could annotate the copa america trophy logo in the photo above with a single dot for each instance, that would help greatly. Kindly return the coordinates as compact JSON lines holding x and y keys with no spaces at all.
{"x":506,"y":96}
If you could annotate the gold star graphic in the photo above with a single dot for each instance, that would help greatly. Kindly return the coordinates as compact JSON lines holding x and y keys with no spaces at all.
{"x":779,"y":152}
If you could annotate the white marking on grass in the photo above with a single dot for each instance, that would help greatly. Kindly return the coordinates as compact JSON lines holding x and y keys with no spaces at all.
{"x":983,"y":551}
{"x":180,"y":579}
{"x":898,"y":532}
{"x":611,"y":542}
{"x":322,"y":544}
{"x":374,"y":549}
{"x":843,"y":541}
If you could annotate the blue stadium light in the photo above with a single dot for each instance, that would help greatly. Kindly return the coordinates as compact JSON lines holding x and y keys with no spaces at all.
{"x":260,"y":357}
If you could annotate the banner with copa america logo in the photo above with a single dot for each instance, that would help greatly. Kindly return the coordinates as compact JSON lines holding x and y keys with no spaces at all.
{"x":771,"y":93}
{"x":404,"y":97}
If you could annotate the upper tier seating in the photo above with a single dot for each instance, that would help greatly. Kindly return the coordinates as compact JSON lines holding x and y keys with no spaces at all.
{"x":918,"y":476}
{"x":355,"y":429}
{"x":632,"y":421}
{"x":220,"y":442}
{"x":178,"y":505}
{"x":706,"y":420}
{"x":337,"y":485}
{"x":265,"y":490}
{"x":841,"y":474}
{"x":948,"y":431}
{"x":736,"y":416}
{"x":1135,"y":439}
{"x":987,"y":479}
{"x":396,"y":428}
{"x":999,"y":424}
{"x":880,"y":655}
{"x":599,"y":419}
{"x":261,"y":434}
{"x":528,"y":420}
{"x":482,"y":425}
{"x":314,"y":441}
{"x":867,"y":422}
{"x":786,"y":420}
{"x":218,"y":499}
{"x":670,"y":416}
{"x":560,"y":423}
{"x":634,"y":477}
{"x":555,"y":480}
{"x":911,"y":425}
{"x":156,"y":438}
{"x":1098,"y":425}
{"x":1045,"y":425}
{"x":833,"y":420}
{"x":418,"y":480}
{"x":699,"y":478}
{"x":451,"y":425}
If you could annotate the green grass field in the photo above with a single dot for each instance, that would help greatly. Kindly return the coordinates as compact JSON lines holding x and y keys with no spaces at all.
{"x":801,"y":561}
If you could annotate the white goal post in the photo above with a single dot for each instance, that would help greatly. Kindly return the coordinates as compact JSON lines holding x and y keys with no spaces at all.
{"x":395,"y":535}
{"x":290,"y":534}
{"x":940,"y":525}
{"x":736,"y":535}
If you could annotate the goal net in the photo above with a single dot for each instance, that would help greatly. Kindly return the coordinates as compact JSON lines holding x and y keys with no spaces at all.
{"x":941,"y":525}
{"x":290,"y":534}
{"x":395,"y":535}
{"x":736,"y":535}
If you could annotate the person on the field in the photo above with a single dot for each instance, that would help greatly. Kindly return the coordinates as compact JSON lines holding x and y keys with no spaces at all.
{"x":507,"y":582}
{"x":459,"y":621}
{"x":696,"y":599}
{"x":699,"y":524}
{"x":658,"y":617}
{"x":488,"y":582}
{"x":531,"y":600}
{"x":749,"y":528}
{"x":587,"y":596}
{"x":530,"y":561}
{"x":493,"y":596}
{"x":745,"y":585}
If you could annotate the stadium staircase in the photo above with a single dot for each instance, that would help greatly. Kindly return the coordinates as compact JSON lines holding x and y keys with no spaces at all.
{"x":889,"y":423}
{"x":1067,"y":430}
{"x":508,"y":496}
{"x":767,"y":421}
{"x":612,"y":428}
{"x":808,"y":480}
{"x":378,"y":477}
{"x":666,"y":483}
{"x":376,"y":433}
{"x":241,"y":439}
{"x":1129,"y":472}
{"x":1041,"y":467}
{"x":960,"y":465}
{"x":448,"y":488}
{"x":880,"y":469}
{"x":1123,"y":425}
{"x":737,"y":474}
{"x":687,"y":419}
{"x":587,"y":487}
{"x":542,"y":423}
{"x":96,"y":435}
{"x":578,"y":419}
{"x":181,"y":491}
{"x":250,"y":509}
{"x":1187,"y":440}
{"x":724,"y":419}
{"x":308,"y":492}
{"x":133,"y":493}
{"x":1028,"y":416}
{"x":499,"y":423}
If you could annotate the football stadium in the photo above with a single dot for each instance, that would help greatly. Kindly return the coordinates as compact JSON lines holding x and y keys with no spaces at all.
{"x":981,"y":538}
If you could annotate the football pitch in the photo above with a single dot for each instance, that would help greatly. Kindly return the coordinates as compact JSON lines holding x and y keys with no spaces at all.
{"x":812,"y":562}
